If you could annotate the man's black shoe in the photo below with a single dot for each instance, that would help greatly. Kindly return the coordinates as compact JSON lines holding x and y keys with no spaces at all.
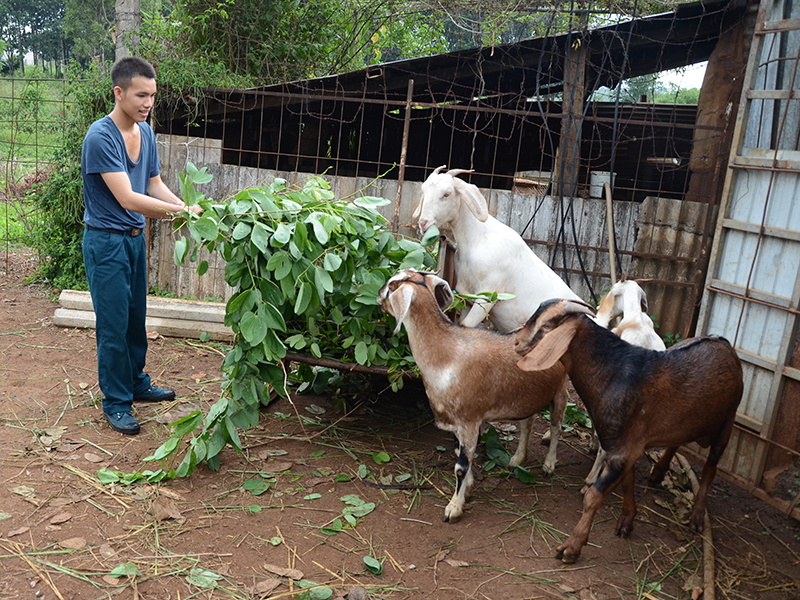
{"x":123,"y":422}
{"x":155,"y":394}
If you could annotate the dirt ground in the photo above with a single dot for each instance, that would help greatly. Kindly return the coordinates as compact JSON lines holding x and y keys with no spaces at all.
{"x":271,"y":522}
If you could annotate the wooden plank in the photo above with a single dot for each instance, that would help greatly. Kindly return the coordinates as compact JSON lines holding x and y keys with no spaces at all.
{"x":169,"y":308}
{"x":67,"y":317}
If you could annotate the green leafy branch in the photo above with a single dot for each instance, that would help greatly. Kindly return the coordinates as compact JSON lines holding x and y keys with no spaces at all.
{"x":307,"y":269}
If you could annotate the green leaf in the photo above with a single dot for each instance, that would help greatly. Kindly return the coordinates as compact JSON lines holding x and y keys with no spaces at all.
{"x":253,"y":328}
{"x":319,"y":230}
{"x":202,"y":267}
{"x":124,"y":570}
{"x":196,"y":176}
{"x":323,"y":280}
{"x":282,"y":235}
{"x":206,"y":227}
{"x":241,"y":231}
{"x":431,"y":236}
{"x":203,"y":578}
{"x":256,"y":485}
{"x":380,"y":458}
{"x":180,"y":251}
{"x":332,"y":261}
{"x":272,"y":317}
{"x":373,"y":565}
{"x":106,"y":477}
{"x":303,"y":298}
{"x":361,"y":353}
{"x":371,"y":202}
{"x":260,"y":237}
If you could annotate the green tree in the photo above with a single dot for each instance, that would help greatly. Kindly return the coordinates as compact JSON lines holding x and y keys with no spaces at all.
{"x":15,"y":23}
{"x":89,"y":24}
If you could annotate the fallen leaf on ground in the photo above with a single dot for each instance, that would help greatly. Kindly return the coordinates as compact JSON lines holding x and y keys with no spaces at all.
{"x":106,"y":551}
{"x":24,"y":491}
{"x":262,"y":588}
{"x":277,"y":466}
{"x":60,"y":518}
{"x":93,"y":458}
{"x":75,"y":543}
{"x":111,"y":580}
{"x":170,"y":494}
{"x":357,"y":593}
{"x":456,"y":563}
{"x":4,"y":516}
{"x":283,"y":571}
{"x":18,"y":531}
{"x":164,"y":508}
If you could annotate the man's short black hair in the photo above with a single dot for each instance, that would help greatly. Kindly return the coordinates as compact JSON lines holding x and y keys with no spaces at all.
{"x":125,"y":69}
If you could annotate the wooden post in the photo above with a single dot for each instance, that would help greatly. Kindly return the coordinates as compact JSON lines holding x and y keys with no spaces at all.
{"x":403,"y":152}
{"x":568,"y":156}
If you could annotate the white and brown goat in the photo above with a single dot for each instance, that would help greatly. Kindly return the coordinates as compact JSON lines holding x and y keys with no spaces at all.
{"x":470,"y":375}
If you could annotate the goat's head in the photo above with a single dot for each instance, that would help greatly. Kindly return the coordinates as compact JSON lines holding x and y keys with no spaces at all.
{"x":614,"y":301}
{"x":397,"y":294}
{"x":442,"y":197}
{"x":546,"y":337}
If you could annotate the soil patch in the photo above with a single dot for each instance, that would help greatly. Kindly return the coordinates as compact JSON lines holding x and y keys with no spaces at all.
{"x":331,"y":498}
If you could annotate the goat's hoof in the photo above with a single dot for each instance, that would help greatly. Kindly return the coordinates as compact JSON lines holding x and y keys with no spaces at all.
{"x":548,"y":469}
{"x":566,"y":558}
{"x":697,"y":524}
{"x":451,"y":518}
{"x":624,"y":531}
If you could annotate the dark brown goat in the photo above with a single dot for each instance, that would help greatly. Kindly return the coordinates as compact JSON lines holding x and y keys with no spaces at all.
{"x":637,"y":399}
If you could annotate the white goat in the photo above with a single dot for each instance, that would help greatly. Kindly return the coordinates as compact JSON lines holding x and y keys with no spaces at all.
{"x":490,"y":256}
{"x":470,"y":375}
{"x":625,"y":298}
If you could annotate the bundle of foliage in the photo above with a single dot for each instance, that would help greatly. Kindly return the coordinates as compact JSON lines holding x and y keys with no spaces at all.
{"x":307,"y":270}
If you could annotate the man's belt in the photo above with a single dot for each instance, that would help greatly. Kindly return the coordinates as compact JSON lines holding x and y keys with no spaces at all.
{"x":130,"y":232}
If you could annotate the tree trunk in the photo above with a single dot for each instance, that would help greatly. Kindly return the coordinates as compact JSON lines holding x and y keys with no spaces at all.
{"x":129,"y":21}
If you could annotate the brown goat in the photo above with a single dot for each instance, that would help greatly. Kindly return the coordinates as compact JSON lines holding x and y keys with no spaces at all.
{"x":637,"y":399}
{"x":470,"y":375}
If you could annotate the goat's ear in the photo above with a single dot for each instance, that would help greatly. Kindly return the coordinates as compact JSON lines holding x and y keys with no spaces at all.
{"x":400,"y":301}
{"x":418,"y":210}
{"x":473,"y":198}
{"x":442,"y":293}
{"x":550,"y":350}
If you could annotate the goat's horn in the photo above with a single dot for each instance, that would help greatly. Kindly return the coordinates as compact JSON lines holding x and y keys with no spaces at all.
{"x":439,"y":169}
{"x":455,"y":172}
{"x":576,"y":307}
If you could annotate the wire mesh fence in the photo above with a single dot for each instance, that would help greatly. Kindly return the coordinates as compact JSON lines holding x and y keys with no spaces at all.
{"x":32,"y":118}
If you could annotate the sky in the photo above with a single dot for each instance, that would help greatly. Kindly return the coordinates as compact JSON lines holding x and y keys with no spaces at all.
{"x":688,"y":77}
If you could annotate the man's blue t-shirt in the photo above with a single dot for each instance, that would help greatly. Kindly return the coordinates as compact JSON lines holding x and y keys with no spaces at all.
{"x":104,"y":152}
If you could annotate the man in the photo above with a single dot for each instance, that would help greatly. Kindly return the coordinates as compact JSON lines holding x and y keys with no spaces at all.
{"x":122,"y":185}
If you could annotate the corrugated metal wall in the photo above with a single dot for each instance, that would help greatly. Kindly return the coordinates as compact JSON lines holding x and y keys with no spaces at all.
{"x":753,"y":285}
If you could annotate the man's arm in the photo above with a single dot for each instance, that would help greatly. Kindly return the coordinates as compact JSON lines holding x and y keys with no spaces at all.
{"x":159,"y":203}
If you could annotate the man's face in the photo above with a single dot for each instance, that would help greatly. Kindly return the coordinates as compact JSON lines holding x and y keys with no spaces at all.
{"x":137,"y":100}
